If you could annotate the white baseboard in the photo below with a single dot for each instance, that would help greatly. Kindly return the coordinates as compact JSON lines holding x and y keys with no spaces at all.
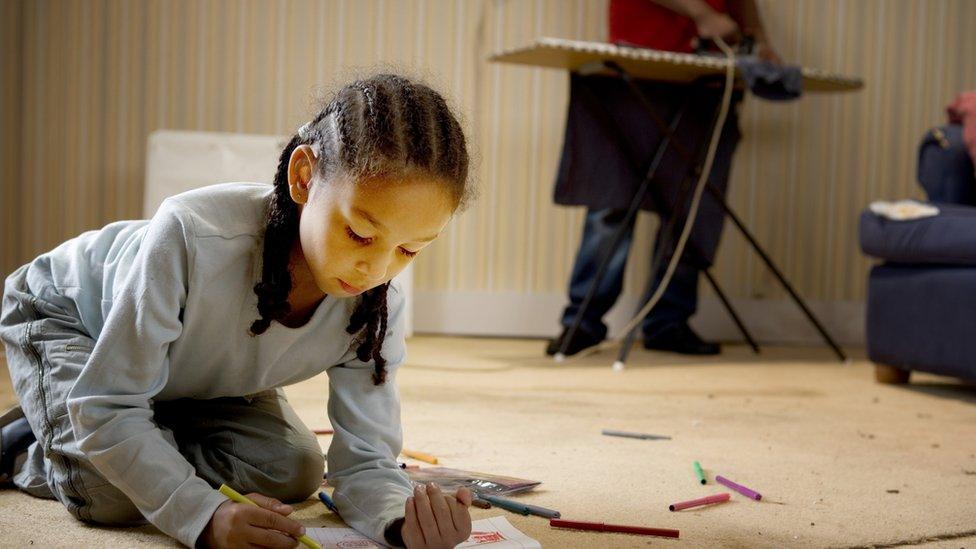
{"x":537,"y":315}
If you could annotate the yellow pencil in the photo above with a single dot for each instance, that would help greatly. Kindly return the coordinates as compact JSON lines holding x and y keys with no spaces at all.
{"x":419,"y":456}
{"x":236,"y":497}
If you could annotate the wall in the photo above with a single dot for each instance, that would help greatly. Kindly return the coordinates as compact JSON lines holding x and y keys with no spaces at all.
{"x":92,"y":79}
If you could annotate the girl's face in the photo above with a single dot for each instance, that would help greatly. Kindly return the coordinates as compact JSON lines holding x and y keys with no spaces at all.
{"x":356,"y":235}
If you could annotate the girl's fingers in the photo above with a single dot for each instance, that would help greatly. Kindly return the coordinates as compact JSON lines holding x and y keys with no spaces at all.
{"x":271,"y":504}
{"x":461,"y":518}
{"x":464,"y":496}
{"x":411,"y":533}
{"x":425,"y":515}
{"x":269,"y":538}
{"x":442,"y":511}
{"x":262,"y":518}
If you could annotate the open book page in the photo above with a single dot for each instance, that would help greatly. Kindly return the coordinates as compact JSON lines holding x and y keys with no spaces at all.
{"x":494,"y":532}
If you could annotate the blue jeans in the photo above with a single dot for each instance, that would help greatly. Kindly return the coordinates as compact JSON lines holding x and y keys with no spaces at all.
{"x":679,"y":301}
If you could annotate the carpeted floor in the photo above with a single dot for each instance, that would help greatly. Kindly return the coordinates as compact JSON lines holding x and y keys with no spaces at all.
{"x":840,"y":460}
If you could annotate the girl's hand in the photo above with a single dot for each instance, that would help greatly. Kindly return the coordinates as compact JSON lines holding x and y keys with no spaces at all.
{"x":436,"y":520}
{"x":240,"y":525}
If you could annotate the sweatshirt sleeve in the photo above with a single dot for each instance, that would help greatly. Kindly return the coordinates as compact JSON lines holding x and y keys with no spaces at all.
{"x":110,"y":403}
{"x":370,"y":489}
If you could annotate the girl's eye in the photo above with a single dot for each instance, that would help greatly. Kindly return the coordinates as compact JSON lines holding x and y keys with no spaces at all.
{"x":364,"y":240}
{"x":356,"y":237}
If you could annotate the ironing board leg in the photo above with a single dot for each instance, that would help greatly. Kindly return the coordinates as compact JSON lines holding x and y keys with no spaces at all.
{"x":739,"y":225}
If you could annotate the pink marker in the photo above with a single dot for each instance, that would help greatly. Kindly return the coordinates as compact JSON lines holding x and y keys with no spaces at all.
{"x":708,"y":500}
{"x":738,"y":488}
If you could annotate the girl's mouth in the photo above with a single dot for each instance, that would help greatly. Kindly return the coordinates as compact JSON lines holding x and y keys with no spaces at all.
{"x":350,"y":289}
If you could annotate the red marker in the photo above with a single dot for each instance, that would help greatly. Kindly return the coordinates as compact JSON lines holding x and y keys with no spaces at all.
{"x":708,"y":500}
{"x":619,"y":528}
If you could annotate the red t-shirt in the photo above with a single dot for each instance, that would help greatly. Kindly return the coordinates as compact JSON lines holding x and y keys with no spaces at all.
{"x":645,"y":23}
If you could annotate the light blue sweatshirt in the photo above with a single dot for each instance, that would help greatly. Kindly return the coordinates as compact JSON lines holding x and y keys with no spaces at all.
{"x":169,"y":302}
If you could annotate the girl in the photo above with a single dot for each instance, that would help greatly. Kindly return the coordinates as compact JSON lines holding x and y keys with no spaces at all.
{"x":149,"y":356}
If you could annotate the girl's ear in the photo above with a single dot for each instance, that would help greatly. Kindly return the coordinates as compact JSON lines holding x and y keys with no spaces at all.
{"x":301,"y":166}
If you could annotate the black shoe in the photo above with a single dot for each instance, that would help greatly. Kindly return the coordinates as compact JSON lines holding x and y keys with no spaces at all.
{"x":15,"y":438}
{"x":679,"y":338}
{"x":581,"y":340}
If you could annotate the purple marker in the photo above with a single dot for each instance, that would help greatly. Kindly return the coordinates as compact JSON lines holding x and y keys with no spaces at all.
{"x":738,"y":488}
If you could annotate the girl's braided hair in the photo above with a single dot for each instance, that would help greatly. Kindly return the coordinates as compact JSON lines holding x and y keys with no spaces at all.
{"x":384,"y":126}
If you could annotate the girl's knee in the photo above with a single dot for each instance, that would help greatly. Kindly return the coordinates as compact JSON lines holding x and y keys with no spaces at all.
{"x":307,"y":466}
{"x":293,"y":474}
{"x":106,"y":506}
{"x":115,"y":516}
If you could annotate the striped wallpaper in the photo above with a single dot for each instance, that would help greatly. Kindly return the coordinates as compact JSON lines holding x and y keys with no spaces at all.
{"x":86,"y":81}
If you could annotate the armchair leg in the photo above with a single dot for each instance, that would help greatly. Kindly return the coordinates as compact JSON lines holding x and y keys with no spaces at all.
{"x":890,"y":375}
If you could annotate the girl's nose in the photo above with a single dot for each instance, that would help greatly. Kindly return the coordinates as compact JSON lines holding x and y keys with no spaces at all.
{"x":373,"y":269}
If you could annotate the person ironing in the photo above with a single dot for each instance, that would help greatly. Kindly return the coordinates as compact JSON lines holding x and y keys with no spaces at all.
{"x":597,"y":172}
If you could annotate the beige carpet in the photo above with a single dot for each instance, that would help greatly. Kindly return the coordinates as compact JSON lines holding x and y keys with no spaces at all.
{"x":840,"y":460}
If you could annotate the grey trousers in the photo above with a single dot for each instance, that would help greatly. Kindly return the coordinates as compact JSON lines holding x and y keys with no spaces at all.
{"x":255,"y":443}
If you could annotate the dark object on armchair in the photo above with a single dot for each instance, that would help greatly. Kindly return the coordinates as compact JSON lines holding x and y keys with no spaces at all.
{"x":921,"y":311}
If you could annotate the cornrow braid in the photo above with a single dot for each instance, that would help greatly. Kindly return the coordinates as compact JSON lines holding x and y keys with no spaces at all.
{"x":447,"y":135}
{"x":385,"y":120}
{"x":418,"y":138}
{"x":349,"y":147}
{"x":385,"y":126}
{"x":370,"y":114}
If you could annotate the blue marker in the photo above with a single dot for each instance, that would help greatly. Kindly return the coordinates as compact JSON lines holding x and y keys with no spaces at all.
{"x":328,"y":502}
{"x":518,"y":507}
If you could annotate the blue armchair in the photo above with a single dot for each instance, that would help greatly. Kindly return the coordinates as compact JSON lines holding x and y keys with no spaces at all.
{"x":921,"y":310}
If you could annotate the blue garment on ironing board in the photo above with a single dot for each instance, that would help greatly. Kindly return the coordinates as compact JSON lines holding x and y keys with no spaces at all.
{"x":770,"y":80}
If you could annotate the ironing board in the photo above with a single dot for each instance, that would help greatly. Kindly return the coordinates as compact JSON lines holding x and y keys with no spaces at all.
{"x":560,"y":53}
{"x":629,"y":63}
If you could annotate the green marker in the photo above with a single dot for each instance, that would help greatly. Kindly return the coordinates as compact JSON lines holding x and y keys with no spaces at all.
{"x":699,"y":473}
